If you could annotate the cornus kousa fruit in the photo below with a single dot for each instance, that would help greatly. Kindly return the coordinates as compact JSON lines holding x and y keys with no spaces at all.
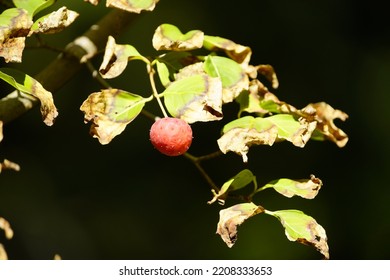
{"x":171,"y":136}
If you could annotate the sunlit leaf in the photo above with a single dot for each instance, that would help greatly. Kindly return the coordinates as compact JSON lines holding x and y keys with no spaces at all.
{"x":116,"y":57}
{"x":29,"y":85}
{"x":304,"y":229}
{"x":6,"y":227}
{"x":110,"y":111}
{"x":54,"y":22}
{"x":232,"y":217}
{"x":239,"y":181}
{"x":33,"y":6}
{"x":195,"y":98}
{"x":306,"y":188}
{"x":325,"y":116}
{"x":234,"y":80}
{"x":169,"y":37}
{"x":132,"y":6}
{"x":15,"y":25}
{"x":239,"y":53}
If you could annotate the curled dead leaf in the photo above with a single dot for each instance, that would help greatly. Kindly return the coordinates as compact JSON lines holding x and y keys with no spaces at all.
{"x":3,"y":253}
{"x":6,"y":227}
{"x":54,"y":22}
{"x":232,"y":217}
{"x":7,"y":164}
{"x":132,"y":6}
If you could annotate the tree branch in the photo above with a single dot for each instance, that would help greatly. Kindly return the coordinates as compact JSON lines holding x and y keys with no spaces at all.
{"x":67,"y":64}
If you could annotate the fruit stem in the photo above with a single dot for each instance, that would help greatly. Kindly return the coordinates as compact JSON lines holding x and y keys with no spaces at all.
{"x":154,"y":89}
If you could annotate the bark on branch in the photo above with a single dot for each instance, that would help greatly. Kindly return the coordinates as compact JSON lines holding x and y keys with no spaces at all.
{"x":67,"y":64}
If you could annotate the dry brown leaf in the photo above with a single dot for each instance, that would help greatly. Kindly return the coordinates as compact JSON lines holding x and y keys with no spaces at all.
{"x":3,"y":253}
{"x":12,"y":49}
{"x":132,"y":6}
{"x":325,"y":116}
{"x":4,"y":225}
{"x":239,"y":140}
{"x":6,"y":164}
{"x":232,"y":217}
{"x":55,"y":21}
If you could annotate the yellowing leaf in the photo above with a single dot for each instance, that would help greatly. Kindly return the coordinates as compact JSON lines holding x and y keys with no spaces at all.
{"x":234,"y":80}
{"x":6,"y":227}
{"x":325,"y":116}
{"x":15,"y":25}
{"x":116,"y":57}
{"x":232,"y":217}
{"x":29,"y":85}
{"x":239,"y":181}
{"x":132,"y":6}
{"x":306,"y":188}
{"x":303,"y":229}
{"x":54,"y":22}
{"x":110,"y":111}
{"x":239,"y":53}
{"x":195,"y":98}
{"x":169,"y":37}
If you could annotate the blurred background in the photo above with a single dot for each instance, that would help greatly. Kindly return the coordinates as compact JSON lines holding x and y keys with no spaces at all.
{"x":81,"y":200}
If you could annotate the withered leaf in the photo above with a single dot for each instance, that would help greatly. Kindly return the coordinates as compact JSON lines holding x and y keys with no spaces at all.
{"x":116,"y":57}
{"x":110,"y":111}
{"x":169,"y":37}
{"x":132,"y":6}
{"x":304,"y":229}
{"x":266,"y":70}
{"x":239,"y":53}
{"x":54,"y":22}
{"x":29,"y":85}
{"x":3,"y":253}
{"x":232,"y":217}
{"x":195,"y":98}
{"x":306,"y":188}
{"x":325,"y":116}
{"x":7,"y":164}
{"x":6,"y":227}
{"x":15,"y":25}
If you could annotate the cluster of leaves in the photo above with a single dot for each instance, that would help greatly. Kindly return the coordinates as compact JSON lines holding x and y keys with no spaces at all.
{"x":198,"y":74}
{"x":195,"y":89}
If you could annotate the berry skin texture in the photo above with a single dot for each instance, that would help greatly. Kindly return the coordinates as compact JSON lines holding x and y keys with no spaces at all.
{"x":171,"y":136}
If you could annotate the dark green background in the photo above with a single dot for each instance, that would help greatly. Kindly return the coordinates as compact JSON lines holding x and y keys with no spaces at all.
{"x":82,"y":200}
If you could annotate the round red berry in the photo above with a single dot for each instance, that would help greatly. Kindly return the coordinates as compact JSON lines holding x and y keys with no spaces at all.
{"x":171,"y":136}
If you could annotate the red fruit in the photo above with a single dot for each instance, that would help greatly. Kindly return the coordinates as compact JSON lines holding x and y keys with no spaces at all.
{"x":171,"y":136}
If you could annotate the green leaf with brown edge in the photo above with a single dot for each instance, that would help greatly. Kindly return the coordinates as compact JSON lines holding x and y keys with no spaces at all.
{"x":33,"y":6}
{"x":194,"y":98}
{"x":234,"y":80}
{"x":302,"y":228}
{"x":110,"y":111}
{"x":15,"y":25}
{"x":232,"y":217}
{"x":169,"y":37}
{"x":239,"y":181}
{"x":239,"y":53}
{"x":29,"y":85}
{"x":54,"y":22}
{"x":116,"y":57}
{"x":132,"y":6}
{"x":305,"y":188}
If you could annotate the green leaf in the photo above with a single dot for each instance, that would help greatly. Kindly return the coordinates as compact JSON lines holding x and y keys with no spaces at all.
{"x":194,"y":98}
{"x":116,"y":57}
{"x":232,"y":217}
{"x":132,"y":6}
{"x":239,"y":181}
{"x":233,"y":77}
{"x":239,"y":53}
{"x":163,"y":73}
{"x":169,"y":37}
{"x":303,"y":229}
{"x":306,"y":188}
{"x":29,"y":85}
{"x":33,"y":6}
{"x":110,"y":111}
